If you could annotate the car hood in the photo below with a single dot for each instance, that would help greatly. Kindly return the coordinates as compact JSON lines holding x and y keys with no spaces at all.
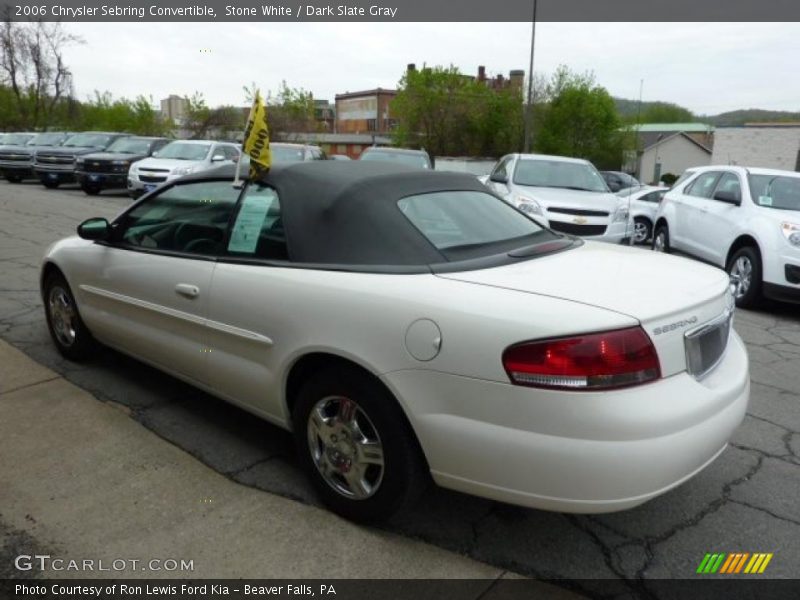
{"x":114,"y":156}
{"x":168,"y":163}
{"x":638,"y":283}
{"x":568,"y":198}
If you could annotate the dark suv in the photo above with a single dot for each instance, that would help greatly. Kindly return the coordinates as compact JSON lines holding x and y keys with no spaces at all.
{"x":56,"y":166}
{"x":99,"y":171}
{"x":16,"y":160}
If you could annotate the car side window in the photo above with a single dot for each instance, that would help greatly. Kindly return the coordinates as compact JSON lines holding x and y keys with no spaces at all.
{"x":729,"y":183}
{"x":502,"y":168}
{"x":190,"y":217}
{"x":230,"y":152}
{"x":258,"y":229}
{"x":703,"y":185}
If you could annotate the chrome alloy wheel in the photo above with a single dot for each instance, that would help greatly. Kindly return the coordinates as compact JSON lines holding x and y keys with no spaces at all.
{"x":640,"y":232}
{"x":345,"y":447}
{"x":63,"y":317}
{"x":660,"y":243}
{"x":741,"y":276}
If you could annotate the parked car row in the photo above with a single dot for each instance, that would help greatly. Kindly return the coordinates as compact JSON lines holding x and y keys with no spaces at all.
{"x":744,"y":220}
{"x":99,"y":160}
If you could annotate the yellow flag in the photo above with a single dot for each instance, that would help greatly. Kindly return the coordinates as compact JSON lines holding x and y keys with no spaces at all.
{"x":256,"y":138}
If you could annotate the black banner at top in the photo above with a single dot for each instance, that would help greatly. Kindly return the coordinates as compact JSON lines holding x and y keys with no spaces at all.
{"x":402,"y":10}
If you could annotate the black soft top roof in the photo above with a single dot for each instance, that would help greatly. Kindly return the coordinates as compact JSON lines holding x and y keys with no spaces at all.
{"x":344,"y":213}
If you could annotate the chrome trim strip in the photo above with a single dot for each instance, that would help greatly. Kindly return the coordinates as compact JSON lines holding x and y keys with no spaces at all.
{"x":707,"y":327}
{"x":246,"y":334}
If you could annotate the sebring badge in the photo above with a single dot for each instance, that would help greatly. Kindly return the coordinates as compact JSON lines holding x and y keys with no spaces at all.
{"x":675,"y":325}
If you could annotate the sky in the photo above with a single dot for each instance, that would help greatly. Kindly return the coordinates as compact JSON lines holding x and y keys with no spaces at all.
{"x":706,"y":67}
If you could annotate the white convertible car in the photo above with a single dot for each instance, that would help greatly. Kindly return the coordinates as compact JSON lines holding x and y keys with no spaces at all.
{"x":409,"y":324}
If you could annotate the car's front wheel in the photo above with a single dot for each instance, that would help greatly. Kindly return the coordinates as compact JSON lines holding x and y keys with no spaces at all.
{"x":661,"y":239}
{"x":356,"y":446}
{"x":71,"y":337}
{"x":641,"y":230}
{"x":51,"y":185}
{"x":13,"y":178}
{"x":91,"y":190}
{"x":744,"y":269}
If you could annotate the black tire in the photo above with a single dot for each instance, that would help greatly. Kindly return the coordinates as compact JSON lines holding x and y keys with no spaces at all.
{"x":642,"y":230}
{"x":91,"y":190}
{"x":395,"y":484}
{"x":744,"y":269}
{"x":58,"y":302}
{"x":13,"y":178}
{"x":50,"y":185}
{"x":661,"y":239}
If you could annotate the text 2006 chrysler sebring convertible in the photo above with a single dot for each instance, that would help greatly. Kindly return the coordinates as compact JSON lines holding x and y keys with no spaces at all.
{"x":408,"y":324}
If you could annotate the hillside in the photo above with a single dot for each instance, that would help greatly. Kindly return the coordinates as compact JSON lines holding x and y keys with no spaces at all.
{"x":629,"y":109}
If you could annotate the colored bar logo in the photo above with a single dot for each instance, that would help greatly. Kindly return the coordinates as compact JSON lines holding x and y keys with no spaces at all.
{"x":734,"y":563}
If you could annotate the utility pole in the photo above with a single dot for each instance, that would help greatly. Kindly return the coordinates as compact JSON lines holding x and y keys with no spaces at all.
{"x":528,"y":135}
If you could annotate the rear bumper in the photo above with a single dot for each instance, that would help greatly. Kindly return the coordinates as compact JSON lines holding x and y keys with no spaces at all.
{"x":573,"y":452}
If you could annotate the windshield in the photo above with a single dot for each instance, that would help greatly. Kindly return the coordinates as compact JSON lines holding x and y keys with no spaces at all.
{"x":406,"y":158}
{"x":87,"y":140}
{"x":131,"y":145}
{"x":281,"y":154}
{"x":776,"y":191}
{"x":47,"y":139}
{"x":559,"y":174}
{"x":17,"y":139}
{"x":465,"y":224}
{"x":184,"y":151}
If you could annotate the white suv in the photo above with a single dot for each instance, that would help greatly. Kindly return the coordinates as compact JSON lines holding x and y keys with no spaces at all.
{"x":566,"y":194}
{"x":176,"y":159}
{"x":745,"y":220}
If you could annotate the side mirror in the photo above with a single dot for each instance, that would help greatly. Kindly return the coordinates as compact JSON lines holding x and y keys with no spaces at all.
{"x":218,"y":158}
{"x":154,"y":154}
{"x":498,"y":178}
{"x":95,"y":228}
{"x":729,"y":197}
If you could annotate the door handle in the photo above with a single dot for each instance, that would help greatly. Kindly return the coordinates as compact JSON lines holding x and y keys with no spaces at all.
{"x":187,"y":290}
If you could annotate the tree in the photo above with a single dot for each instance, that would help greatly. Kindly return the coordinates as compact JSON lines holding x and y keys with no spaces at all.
{"x":203,"y":122}
{"x":106,"y":113}
{"x":450,"y":114}
{"x":666,"y":112}
{"x":291,"y":110}
{"x":579,"y":120}
{"x":32,"y":68}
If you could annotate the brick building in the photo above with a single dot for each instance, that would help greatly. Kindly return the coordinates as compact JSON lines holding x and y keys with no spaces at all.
{"x":365,"y":112}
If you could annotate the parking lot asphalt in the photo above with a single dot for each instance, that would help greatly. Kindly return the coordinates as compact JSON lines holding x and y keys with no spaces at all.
{"x":747,"y":501}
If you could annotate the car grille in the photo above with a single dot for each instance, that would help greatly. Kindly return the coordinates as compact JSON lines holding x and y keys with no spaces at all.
{"x":705,"y":345}
{"x":50,"y":159}
{"x":15,"y":157}
{"x":98,"y":166}
{"x":578,"y":211}
{"x":573,"y":229}
{"x":152,"y":178}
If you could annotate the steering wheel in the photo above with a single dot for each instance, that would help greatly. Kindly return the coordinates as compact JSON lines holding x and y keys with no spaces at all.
{"x":202,"y":246}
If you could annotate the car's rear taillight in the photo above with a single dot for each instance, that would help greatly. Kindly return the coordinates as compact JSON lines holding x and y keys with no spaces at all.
{"x":594,"y":361}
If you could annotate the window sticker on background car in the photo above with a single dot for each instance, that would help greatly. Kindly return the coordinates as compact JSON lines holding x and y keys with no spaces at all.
{"x":765,"y":201}
{"x":249,"y":222}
